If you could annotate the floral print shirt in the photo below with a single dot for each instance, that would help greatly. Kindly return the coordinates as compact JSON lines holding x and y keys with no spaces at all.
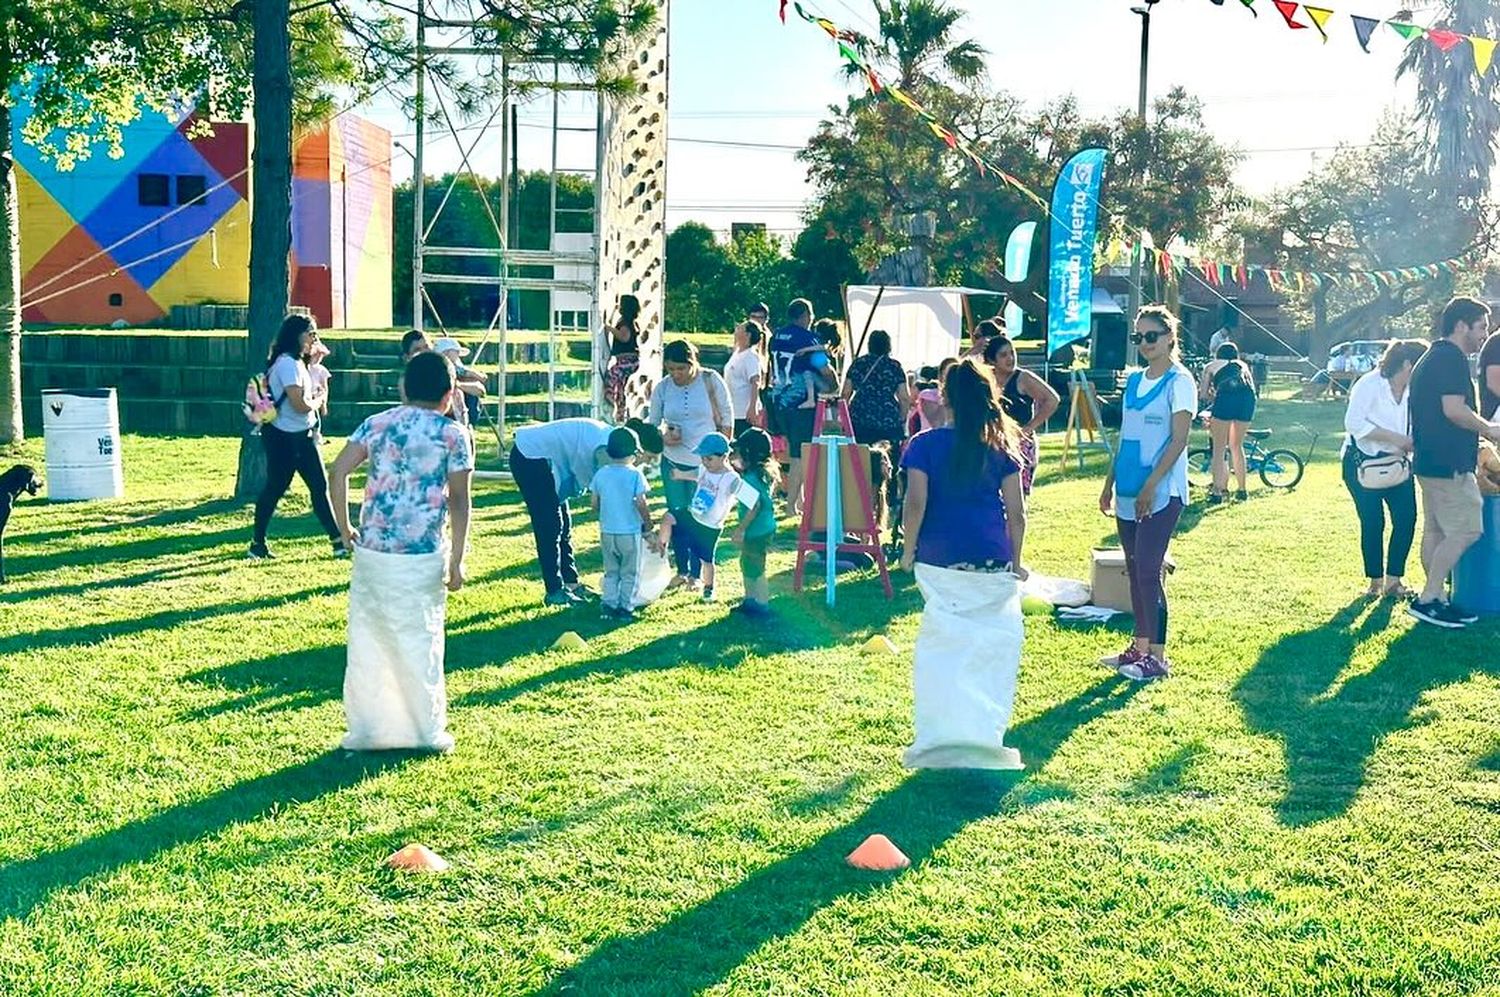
{"x":412,"y":452}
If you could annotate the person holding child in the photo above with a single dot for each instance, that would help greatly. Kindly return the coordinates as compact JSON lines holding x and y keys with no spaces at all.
{"x":421,"y":463}
{"x":620,"y":491}
{"x":759,"y":476}
{"x":696,"y":529}
{"x":689,"y":403}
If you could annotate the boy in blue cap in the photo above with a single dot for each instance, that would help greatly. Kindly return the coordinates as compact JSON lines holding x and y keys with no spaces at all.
{"x":713,"y":500}
{"x":620,"y":491}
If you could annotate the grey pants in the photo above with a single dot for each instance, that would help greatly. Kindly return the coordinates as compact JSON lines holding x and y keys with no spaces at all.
{"x":622,"y":562}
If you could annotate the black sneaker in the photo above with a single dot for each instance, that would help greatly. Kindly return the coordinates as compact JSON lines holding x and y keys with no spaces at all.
{"x":259,"y":552}
{"x":1436,"y":613}
{"x":339,"y":549}
{"x":1461,"y":614}
{"x":1241,"y":496}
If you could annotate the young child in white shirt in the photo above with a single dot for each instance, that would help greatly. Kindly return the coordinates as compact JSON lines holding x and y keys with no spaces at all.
{"x":714,"y":499}
{"x":320,"y":377}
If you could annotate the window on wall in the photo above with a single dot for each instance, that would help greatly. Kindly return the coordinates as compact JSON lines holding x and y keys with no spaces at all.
{"x":154,"y":189}
{"x":116,"y":300}
{"x":190,"y":187}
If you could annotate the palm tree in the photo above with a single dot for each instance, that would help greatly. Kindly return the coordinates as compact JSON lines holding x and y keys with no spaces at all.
{"x":1457,"y":107}
{"x":917,"y":44}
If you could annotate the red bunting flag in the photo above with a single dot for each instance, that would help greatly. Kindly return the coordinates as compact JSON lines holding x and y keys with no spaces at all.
{"x":1320,"y":16}
{"x":783,"y":11}
{"x":1288,"y":11}
{"x":1444,"y":40}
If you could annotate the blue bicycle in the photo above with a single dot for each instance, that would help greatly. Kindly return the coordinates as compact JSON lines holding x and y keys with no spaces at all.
{"x":1280,"y":468}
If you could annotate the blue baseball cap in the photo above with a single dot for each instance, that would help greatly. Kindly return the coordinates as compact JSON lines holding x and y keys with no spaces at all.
{"x":712,"y":445}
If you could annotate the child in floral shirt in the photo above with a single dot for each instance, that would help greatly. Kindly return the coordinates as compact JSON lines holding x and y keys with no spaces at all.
{"x":420,"y":464}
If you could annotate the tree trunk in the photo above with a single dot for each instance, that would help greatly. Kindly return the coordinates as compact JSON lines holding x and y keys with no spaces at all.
{"x":10,"y":290}
{"x":270,"y":207}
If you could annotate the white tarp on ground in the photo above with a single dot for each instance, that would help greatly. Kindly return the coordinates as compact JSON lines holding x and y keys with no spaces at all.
{"x":926,"y":323}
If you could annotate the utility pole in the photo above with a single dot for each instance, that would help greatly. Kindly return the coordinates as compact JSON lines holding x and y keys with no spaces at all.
{"x":1135,"y":245}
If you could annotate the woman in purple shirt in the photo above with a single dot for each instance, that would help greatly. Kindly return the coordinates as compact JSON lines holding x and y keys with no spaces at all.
{"x":964,"y":507}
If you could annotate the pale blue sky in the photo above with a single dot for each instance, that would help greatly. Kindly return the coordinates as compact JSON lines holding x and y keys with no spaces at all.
{"x":739,"y":75}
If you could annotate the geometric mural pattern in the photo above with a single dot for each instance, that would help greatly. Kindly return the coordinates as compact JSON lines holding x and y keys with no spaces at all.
{"x":168,"y":223}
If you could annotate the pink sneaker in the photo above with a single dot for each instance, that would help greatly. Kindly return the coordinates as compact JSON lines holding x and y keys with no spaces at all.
{"x":1130,"y":656}
{"x":1147,"y":669}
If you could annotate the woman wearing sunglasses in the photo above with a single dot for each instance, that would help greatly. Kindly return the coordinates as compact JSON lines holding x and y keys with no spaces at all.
{"x":1147,"y":487}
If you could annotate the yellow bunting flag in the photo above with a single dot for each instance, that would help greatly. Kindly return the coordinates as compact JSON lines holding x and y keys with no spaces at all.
{"x":1484,"y":53}
{"x":1320,"y":16}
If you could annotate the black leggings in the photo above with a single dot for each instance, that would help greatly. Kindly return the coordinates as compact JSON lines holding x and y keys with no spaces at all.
{"x":1371,"y":506}
{"x":288,"y":455}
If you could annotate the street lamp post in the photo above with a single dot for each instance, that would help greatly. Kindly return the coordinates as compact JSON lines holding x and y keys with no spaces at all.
{"x":1135,"y":248}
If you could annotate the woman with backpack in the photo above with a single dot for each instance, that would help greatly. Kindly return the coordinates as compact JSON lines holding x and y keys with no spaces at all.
{"x":1228,"y":385}
{"x":288,"y":439}
{"x":688,"y":404}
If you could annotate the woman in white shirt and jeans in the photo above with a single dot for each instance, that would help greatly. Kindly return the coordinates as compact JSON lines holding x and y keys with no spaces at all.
{"x":290,"y":448}
{"x":745,"y":373}
{"x":1378,"y":425}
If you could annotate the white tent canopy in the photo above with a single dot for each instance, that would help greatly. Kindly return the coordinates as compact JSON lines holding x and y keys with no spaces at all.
{"x":926,"y":324}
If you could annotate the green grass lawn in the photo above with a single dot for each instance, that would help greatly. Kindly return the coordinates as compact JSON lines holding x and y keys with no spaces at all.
{"x":1310,"y":805}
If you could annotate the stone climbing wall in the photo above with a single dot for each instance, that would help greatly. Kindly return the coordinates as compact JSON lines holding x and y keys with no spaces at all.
{"x":632,"y":222}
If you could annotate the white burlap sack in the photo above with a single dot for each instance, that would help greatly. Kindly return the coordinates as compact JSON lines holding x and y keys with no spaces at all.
{"x":968,"y":657}
{"x":653,"y":578}
{"x":393,"y":683}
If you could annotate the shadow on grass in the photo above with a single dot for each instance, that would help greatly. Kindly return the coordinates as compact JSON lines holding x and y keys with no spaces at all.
{"x":64,"y":636}
{"x":13,"y":593}
{"x":1328,"y":737}
{"x":25,"y":884}
{"x":167,"y":517}
{"x":307,"y":677}
{"x":700,"y":947}
{"x":88,"y":555}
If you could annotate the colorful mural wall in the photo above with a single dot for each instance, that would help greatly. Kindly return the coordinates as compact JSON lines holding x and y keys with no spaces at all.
{"x":341,"y":224}
{"x":168,"y":223}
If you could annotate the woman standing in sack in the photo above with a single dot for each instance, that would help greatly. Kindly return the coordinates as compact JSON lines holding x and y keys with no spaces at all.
{"x":290,"y":448}
{"x":965,"y":524}
{"x":689,"y":403}
{"x":1147,"y":486}
{"x":1228,"y":386}
{"x":1377,"y":466}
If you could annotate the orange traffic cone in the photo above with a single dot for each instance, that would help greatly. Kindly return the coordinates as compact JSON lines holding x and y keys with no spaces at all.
{"x":417,"y":858}
{"x":878,"y":854}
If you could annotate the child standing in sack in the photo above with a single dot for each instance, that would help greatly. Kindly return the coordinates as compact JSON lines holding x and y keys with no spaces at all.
{"x":760,"y":474}
{"x":619,"y":490}
{"x":717,"y":487}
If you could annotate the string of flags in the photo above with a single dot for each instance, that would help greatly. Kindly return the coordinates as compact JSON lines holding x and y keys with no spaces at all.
{"x":1280,"y":280}
{"x":1364,"y":30}
{"x":852,"y":45}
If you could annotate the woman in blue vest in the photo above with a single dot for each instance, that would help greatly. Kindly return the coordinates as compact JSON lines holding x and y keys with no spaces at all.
{"x":1147,"y":487}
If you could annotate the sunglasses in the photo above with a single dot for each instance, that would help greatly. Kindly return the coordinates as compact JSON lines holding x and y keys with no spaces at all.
{"x":1148,"y":338}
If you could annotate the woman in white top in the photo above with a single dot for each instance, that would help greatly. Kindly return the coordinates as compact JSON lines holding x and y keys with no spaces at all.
{"x":744,"y":373}
{"x":1147,"y":485}
{"x":1378,"y":425}
{"x":290,"y":448}
{"x":689,"y":403}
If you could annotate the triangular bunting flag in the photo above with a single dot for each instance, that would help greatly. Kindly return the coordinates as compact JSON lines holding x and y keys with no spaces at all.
{"x":849,"y":54}
{"x":1320,"y":16}
{"x":1288,"y":11}
{"x":1364,"y":27}
{"x":1444,"y":40}
{"x":1407,"y":31}
{"x":875,"y":86}
{"x":1250,"y":5}
{"x":783,"y":11}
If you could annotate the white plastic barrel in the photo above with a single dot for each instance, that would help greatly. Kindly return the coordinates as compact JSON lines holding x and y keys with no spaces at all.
{"x":82,"y":431}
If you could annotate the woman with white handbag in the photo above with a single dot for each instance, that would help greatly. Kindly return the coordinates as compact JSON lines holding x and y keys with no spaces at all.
{"x":1377,"y":466}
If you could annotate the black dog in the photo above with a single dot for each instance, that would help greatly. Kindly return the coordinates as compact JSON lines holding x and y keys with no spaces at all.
{"x":18,"y":479}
